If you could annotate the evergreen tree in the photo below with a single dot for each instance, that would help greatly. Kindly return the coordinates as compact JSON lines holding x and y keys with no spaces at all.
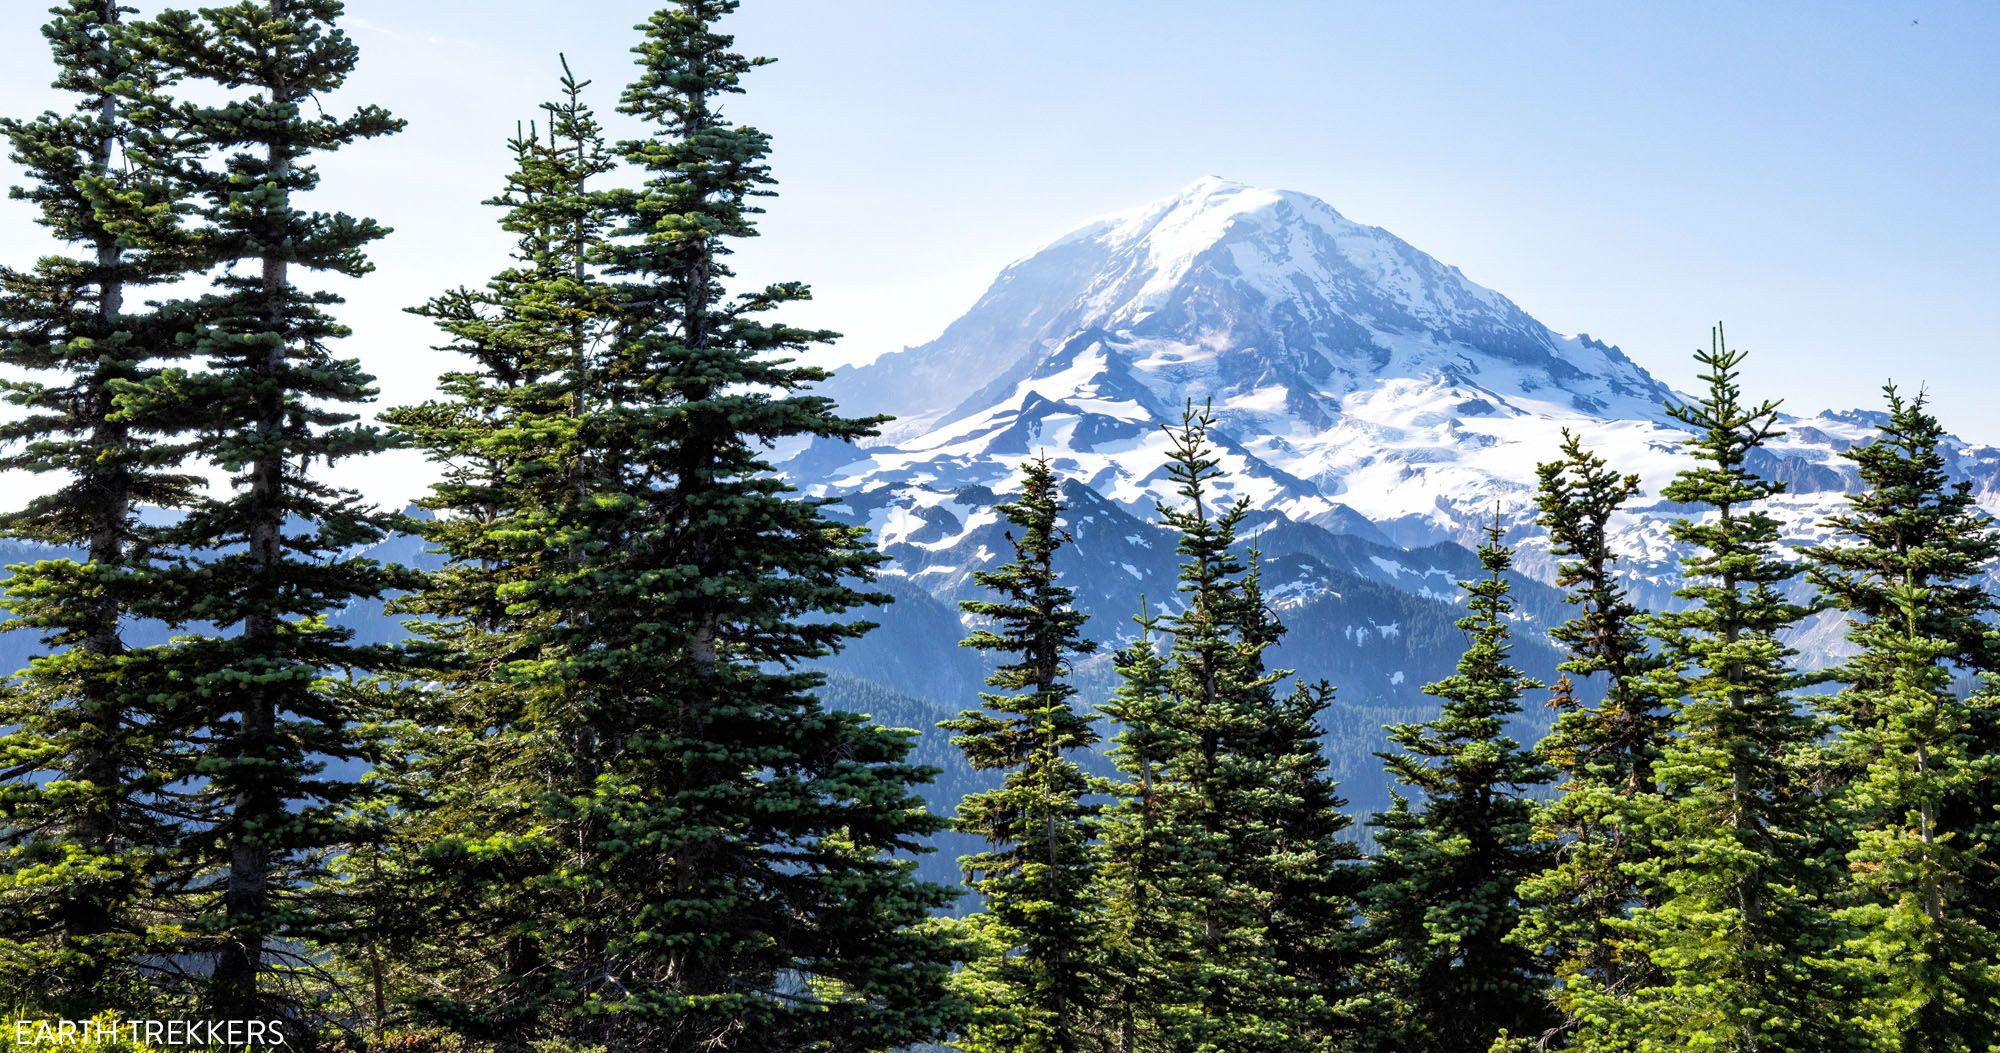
{"x":1225,"y":990}
{"x":1312,"y":869}
{"x":1241,"y":820}
{"x":87,"y":757}
{"x":272,"y":553}
{"x":1914,"y":757}
{"x":1136,"y":850}
{"x":724,"y":863}
{"x":1033,"y":988}
{"x":1605,"y":753}
{"x":1316,"y":877}
{"x":1442,"y":900}
{"x":468,"y":880}
{"x":1735,"y":920}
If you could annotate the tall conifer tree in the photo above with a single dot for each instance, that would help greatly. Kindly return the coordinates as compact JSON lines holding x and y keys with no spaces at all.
{"x":1605,"y":752}
{"x":470,"y":885}
{"x":1735,"y":921}
{"x":1239,"y":826}
{"x":1034,"y":986}
{"x":274,"y":550}
{"x":87,"y":755}
{"x":1915,"y":757}
{"x":733,"y":867}
{"x":1226,"y":991}
{"x":1223,"y":969}
{"x":1443,"y":898}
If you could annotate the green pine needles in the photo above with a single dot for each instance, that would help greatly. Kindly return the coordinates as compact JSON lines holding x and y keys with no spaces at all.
{"x":1734,"y":917}
{"x":1442,"y":901}
{"x":487,"y":835}
{"x":1914,"y":760}
{"x":90,"y":751}
{"x":270,"y":552}
{"x":677,"y":846}
{"x":1034,"y":975}
{"x":1226,"y":881}
{"x":1605,"y":752}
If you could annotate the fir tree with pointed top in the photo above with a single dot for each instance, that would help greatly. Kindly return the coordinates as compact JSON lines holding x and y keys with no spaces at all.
{"x":731,"y":862}
{"x":1442,"y":900}
{"x":1735,"y":919}
{"x":271,"y":555}
{"x":1239,"y":827}
{"x":1915,"y":758}
{"x":1225,"y":990}
{"x":1034,"y":989}
{"x":88,"y":756}
{"x":1605,"y":752}
{"x":467,"y":870}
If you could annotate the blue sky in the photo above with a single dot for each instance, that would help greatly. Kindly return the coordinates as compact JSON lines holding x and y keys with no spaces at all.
{"x":1822,"y":176}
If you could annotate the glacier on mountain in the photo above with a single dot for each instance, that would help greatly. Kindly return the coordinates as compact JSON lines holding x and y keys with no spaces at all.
{"x":1356,"y":378}
{"x":1377,"y":410}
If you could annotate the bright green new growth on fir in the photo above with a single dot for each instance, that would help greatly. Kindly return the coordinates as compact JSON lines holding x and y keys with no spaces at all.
{"x":1230,"y":905}
{"x":1735,"y":919}
{"x":1036,"y":974}
{"x":1914,"y":759}
{"x":1605,"y":753}
{"x":88,"y":752}
{"x":1442,"y":897}
{"x":714,"y":858}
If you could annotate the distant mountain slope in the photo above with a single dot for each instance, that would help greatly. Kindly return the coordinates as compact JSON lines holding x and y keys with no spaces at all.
{"x":1273,"y":296}
{"x":1377,"y":408}
{"x":1359,"y":380}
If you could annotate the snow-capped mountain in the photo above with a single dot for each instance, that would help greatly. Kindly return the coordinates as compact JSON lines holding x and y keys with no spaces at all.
{"x":1352,"y":371}
{"x":1362,"y":385}
{"x":1376,"y":407}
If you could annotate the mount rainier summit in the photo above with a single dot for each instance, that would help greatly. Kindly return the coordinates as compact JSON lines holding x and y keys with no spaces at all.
{"x":1376,"y":409}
